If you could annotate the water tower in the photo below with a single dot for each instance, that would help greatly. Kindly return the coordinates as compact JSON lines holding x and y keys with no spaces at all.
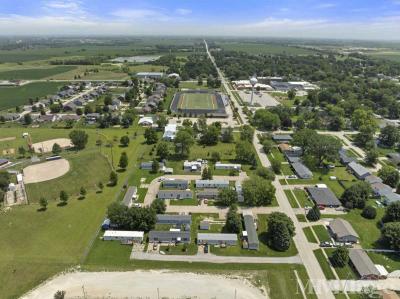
{"x":253,"y":82}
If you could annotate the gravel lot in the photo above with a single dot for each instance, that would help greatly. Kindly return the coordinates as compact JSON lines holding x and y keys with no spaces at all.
{"x":146,"y":284}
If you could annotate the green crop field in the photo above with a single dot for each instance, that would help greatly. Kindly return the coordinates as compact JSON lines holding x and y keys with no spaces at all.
{"x":264,"y":48}
{"x":11,"y":97}
{"x":197,"y":101}
{"x":34,"y":73}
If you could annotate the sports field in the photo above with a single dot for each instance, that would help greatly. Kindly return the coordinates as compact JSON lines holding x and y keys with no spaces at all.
{"x":198,"y":101}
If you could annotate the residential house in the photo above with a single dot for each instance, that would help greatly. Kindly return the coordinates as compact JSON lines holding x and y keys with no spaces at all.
{"x":217,"y":239}
{"x":191,"y":166}
{"x":344,"y":158}
{"x":169,"y":236}
{"x":212,"y":184}
{"x":363,"y":265}
{"x":149,"y":165}
{"x":176,"y":184}
{"x":130,"y":196}
{"x":342,"y":231}
{"x":174,"y":219}
{"x":207,"y":194}
{"x":302,"y":171}
{"x":358,"y":170}
{"x":174,"y":194}
{"x":251,"y":232}
{"x":323,"y":197}
{"x":282,"y":138}
{"x":227,"y":166}
{"x":170,"y":131}
{"x":123,"y":236}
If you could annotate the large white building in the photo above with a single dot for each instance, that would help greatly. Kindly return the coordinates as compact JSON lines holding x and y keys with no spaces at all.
{"x":170,"y":132}
{"x":120,"y":235}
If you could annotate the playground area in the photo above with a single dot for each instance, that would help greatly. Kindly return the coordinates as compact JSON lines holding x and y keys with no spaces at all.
{"x":45,"y":171}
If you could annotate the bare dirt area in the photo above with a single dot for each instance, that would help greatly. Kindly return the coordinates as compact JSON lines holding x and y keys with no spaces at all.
{"x":47,"y":146}
{"x":146,"y":284}
{"x":7,"y":139}
{"x":45,"y":171}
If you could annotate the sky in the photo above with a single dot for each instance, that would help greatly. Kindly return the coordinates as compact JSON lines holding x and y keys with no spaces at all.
{"x":339,"y":19}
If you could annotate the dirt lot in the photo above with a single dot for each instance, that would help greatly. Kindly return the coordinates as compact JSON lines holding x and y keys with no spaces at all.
{"x":45,"y":171}
{"x":146,"y":284}
{"x":7,"y":139}
{"x":47,"y":146}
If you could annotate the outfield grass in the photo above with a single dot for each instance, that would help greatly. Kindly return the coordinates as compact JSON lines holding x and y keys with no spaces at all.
{"x":82,"y":168}
{"x":10,"y":97}
{"x":34,"y":73}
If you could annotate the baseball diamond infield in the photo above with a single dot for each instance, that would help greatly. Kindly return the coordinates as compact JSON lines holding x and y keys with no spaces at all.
{"x":199,"y":102}
{"x":45,"y":171}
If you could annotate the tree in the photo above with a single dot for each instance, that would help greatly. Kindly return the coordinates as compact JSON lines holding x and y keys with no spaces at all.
{"x":113,"y":178}
{"x":291,"y":94}
{"x":215,"y":157}
{"x":265,"y":173}
{"x":100,"y":185}
{"x":389,"y":176}
{"x":371,"y":157}
{"x":276,"y":217}
{"x":314,"y":214}
{"x":210,"y":136}
{"x":391,"y":235}
{"x":43,"y":203}
{"x":276,"y":166}
{"x":82,"y":192}
{"x":59,"y":295}
{"x":370,"y":292}
{"x":246,"y":133}
{"x":340,"y":257}
{"x":365,"y":137}
{"x":123,"y":160}
{"x":258,"y":192}
{"x":369,"y":212}
{"x":356,"y":195}
{"x":362,"y":117}
{"x":64,"y":197}
{"x":233,"y":222}
{"x":183,"y":141}
{"x":141,"y":219}
{"x":206,"y":174}
{"x":21,"y":151}
{"x":155,"y":166}
{"x":227,"y":197}
{"x":27,"y":119}
{"x":245,"y":152}
{"x":267,"y":146}
{"x":389,"y":136}
{"x":159,"y":206}
{"x":265,"y":120}
{"x":151,"y":136}
{"x":124,"y":141}
{"x":392,"y":213}
{"x":162,"y":121}
{"x":227,"y":135}
{"x":79,"y":139}
{"x":163,"y":150}
{"x":56,"y":150}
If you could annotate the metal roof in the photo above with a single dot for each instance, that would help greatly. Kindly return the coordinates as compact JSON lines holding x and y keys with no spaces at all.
{"x":363,"y":263}
{"x":372,"y":179}
{"x":301,"y":170}
{"x":174,"y":218}
{"x":323,"y":196}
{"x":123,"y":234}
{"x":216,"y":237}
{"x":129,"y":195}
{"x":175,"y":182}
{"x":169,"y":234}
{"x":280,"y":137}
{"x":358,"y":169}
{"x":211,"y":192}
{"x":174,"y":194}
{"x":342,"y":228}
{"x":252,"y":236}
{"x":212,"y":182}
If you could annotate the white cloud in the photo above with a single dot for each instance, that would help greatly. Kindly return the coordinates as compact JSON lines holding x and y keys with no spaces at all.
{"x":326,"y":5}
{"x":281,"y":23}
{"x":64,"y":7}
{"x":183,"y":11}
{"x":135,"y":14}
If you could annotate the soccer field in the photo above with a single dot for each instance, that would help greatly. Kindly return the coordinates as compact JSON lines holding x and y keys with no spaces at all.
{"x":198,"y":101}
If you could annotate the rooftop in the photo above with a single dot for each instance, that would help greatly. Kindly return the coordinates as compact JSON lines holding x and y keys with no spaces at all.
{"x":342,"y":228}
{"x":323,"y":196}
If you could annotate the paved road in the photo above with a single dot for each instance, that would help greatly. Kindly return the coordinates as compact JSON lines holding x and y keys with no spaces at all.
{"x":357,"y":285}
{"x":211,"y":258}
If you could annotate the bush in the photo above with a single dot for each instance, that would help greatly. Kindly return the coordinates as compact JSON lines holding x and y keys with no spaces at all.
{"x":369,"y":212}
{"x":340,"y":257}
{"x":314,"y":214}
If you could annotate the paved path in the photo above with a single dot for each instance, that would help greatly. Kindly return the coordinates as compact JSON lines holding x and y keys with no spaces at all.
{"x":217,"y":259}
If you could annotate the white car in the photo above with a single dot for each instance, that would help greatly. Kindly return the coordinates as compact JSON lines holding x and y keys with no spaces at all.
{"x":137,"y":205}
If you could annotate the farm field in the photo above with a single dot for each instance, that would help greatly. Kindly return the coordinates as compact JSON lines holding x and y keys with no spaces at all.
{"x":10,"y":97}
{"x":59,"y":237}
{"x":264,"y":48}
{"x":34,"y":73}
{"x":388,"y":55}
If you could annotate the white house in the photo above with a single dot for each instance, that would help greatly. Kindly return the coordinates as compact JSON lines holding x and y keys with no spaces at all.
{"x":146,"y":121}
{"x":192,"y":166}
{"x":227,"y":166}
{"x":212,"y":184}
{"x":170,"y":132}
{"x":119,"y":235}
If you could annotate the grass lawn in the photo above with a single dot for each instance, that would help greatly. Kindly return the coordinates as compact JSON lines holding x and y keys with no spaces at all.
{"x":80,"y":174}
{"x":322,"y":233}
{"x":309,"y":235}
{"x":34,"y":73}
{"x":276,"y":154}
{"x":324,"y":263}
{"x":291,"y":199}
{"x":10,"y":97}
{"x":264,"y":249}
{"x":301,"y":217}
{"x":192,"y":85}
{"x":302,"y":198}
{"x":345,"y":272}
{"x":184,"y":202}
{"x":41,"y":244}
{"x":286,"y":169}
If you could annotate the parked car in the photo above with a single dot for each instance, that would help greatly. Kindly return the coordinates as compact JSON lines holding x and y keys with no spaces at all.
{"x":325,"y":244}
{"x":205,"y":248}
{"x":293,"y":176}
